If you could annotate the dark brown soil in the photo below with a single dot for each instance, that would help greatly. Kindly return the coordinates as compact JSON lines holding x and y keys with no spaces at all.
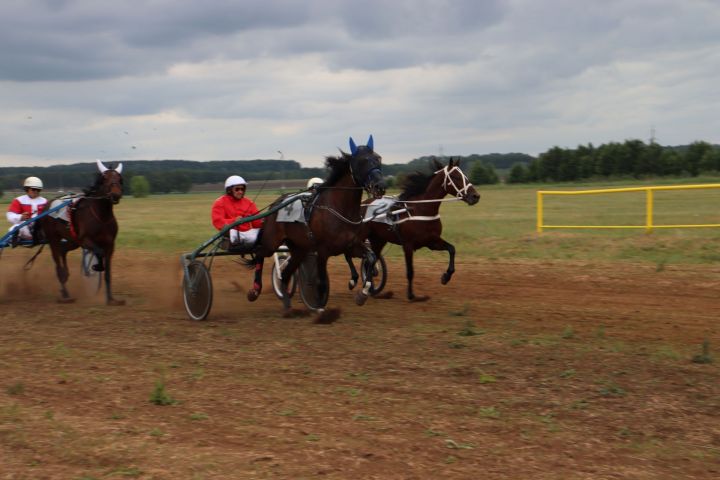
{"x":512,"y":370}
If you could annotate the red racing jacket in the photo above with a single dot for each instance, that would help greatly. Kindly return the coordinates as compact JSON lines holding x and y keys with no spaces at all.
{"x":23,"y":204}
{"x":227,"y":209}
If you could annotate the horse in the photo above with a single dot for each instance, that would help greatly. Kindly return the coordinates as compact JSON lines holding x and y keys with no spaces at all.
{"x":417,"y":221}
{"x":333,"y":224}
{"x":92,"y":226}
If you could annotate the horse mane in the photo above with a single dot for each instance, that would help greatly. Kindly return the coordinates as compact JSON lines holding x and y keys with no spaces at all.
{"x":338,"y":166}
{"x":417,"y":182}
{"x":94,"y":189}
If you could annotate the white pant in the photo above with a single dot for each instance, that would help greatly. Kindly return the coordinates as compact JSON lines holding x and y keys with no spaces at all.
{"x":25,"y":232}
{"x":244,"y":238}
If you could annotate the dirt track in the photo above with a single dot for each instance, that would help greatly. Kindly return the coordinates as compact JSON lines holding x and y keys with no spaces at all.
{"x":513,"y":370}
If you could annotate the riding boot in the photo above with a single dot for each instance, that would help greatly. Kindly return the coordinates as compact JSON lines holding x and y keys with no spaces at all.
{"x":15,"y":239}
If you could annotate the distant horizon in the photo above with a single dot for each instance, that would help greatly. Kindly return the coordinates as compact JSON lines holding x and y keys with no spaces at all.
{"x":444,"y":155}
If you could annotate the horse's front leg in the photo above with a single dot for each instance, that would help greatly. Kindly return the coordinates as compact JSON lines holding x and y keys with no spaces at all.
{"x":322,"y":285}
{"x":441,"y":244}
{"x":353,"y":272}
{"x":409,"y":250}
{"x":109,"y":299}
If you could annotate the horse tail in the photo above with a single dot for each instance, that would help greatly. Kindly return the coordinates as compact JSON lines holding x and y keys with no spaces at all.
{"x":248,"y":263}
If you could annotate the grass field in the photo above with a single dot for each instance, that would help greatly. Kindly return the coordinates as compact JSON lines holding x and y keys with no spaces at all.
{"x":570,"y":354}
{"x":500,"y":226}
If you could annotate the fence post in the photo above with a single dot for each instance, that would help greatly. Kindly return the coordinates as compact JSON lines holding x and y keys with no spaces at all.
{"x":649,"y":210}
{"x":539,"y":212}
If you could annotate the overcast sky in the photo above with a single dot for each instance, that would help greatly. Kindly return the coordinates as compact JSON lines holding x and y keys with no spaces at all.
{"x":246,"y":79}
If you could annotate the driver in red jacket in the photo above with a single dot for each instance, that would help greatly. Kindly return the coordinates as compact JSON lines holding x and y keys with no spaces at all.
{"x":27,"y":206}
{"x":233,"y":206}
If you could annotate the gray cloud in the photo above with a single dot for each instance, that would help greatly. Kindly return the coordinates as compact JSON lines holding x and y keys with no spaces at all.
{"x":228,"y":79}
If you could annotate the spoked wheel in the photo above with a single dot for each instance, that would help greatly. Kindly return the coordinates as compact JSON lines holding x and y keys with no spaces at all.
{"x":93,"y":277}
{"x":197,"y":290}
{"x":281,"y":259}
{"x":309,"y":281}
{"x":379,"y":274}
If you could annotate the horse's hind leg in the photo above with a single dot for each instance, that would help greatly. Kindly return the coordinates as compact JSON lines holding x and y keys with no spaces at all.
{"x":254,"y":292}
{"x":353,"y":272}
{"x":61,"y":270}
{"x":441,"y":244}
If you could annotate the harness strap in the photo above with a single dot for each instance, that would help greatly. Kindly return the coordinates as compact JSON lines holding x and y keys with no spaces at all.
{"x":421,"y":218}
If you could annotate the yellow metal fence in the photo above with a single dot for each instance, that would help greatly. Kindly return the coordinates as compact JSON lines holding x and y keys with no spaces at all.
{"x":649,"y":226}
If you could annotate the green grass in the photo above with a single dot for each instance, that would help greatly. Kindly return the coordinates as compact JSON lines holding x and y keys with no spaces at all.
{"x":500,"y":227}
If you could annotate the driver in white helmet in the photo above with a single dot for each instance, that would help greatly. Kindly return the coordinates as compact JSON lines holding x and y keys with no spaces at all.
{"x":26,"y":206}
{"x":313,"y":183}
{"x":233,"y":206}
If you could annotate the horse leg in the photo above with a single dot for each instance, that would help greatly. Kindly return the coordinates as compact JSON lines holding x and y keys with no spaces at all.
{"x":296,"y":259}
{"x":109,"y":300}
{"x":441,"y":244}
{"x":410,"y":273}
{"x":61,"y":270}
{"x":322,"y":286}
{"x":353,"y":272}
{"x":254,"y":292}
{"x":368,"y":266}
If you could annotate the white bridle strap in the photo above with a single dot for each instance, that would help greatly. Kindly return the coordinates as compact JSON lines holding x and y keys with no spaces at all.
{"x":461,"y":192}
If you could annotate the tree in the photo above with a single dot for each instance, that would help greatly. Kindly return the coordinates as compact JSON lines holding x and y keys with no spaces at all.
{"x":481,"y":174}
{"x":710,"y":161}
{"x":694,"y":155}
{"x":139,"y":186}
{"x":518,"y":174}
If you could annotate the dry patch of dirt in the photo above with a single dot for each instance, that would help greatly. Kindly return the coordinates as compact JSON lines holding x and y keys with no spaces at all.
{"x":512,"y":370}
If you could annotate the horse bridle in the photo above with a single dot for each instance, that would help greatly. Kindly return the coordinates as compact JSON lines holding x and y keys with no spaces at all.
{"x":358,"y":183}
{"x":448,"y":181}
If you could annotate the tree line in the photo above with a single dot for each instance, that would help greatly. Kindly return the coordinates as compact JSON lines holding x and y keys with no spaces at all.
{"x":632,"y":158}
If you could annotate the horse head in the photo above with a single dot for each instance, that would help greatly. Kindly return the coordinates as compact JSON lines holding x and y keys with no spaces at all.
{"x":110,"y":182}
{"x":456,"y":182}
{"x":366,"y":168}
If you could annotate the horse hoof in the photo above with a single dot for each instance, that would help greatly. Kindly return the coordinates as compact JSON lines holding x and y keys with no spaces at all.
{"x":351,"y":284}
{"x":360,"y":298}
{"x":66,"y":300}
{"x":252,"y":295}
{"x":445,"y":278}
{"x":115,"y":303}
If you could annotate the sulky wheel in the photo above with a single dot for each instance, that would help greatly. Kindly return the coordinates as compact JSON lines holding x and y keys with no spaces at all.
{"x":379,"y":274}
{"x":197,"y":290}
{"x":281,"y":259}
{"x":309,"y":282}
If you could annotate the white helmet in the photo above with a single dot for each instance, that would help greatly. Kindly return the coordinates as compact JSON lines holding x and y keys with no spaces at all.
{"x":314,"y":182}
{"x":33,"y":182}
{"x":233,"y":180}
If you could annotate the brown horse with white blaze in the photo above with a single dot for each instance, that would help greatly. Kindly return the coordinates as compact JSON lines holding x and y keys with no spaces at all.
{"x":92,"y":226}
{"x":416,"y":218}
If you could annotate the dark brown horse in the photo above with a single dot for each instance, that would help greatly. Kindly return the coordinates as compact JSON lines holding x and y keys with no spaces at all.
{"x":416,"y":221}
{"x":92,"y":226}
{"x":334,"y":221}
